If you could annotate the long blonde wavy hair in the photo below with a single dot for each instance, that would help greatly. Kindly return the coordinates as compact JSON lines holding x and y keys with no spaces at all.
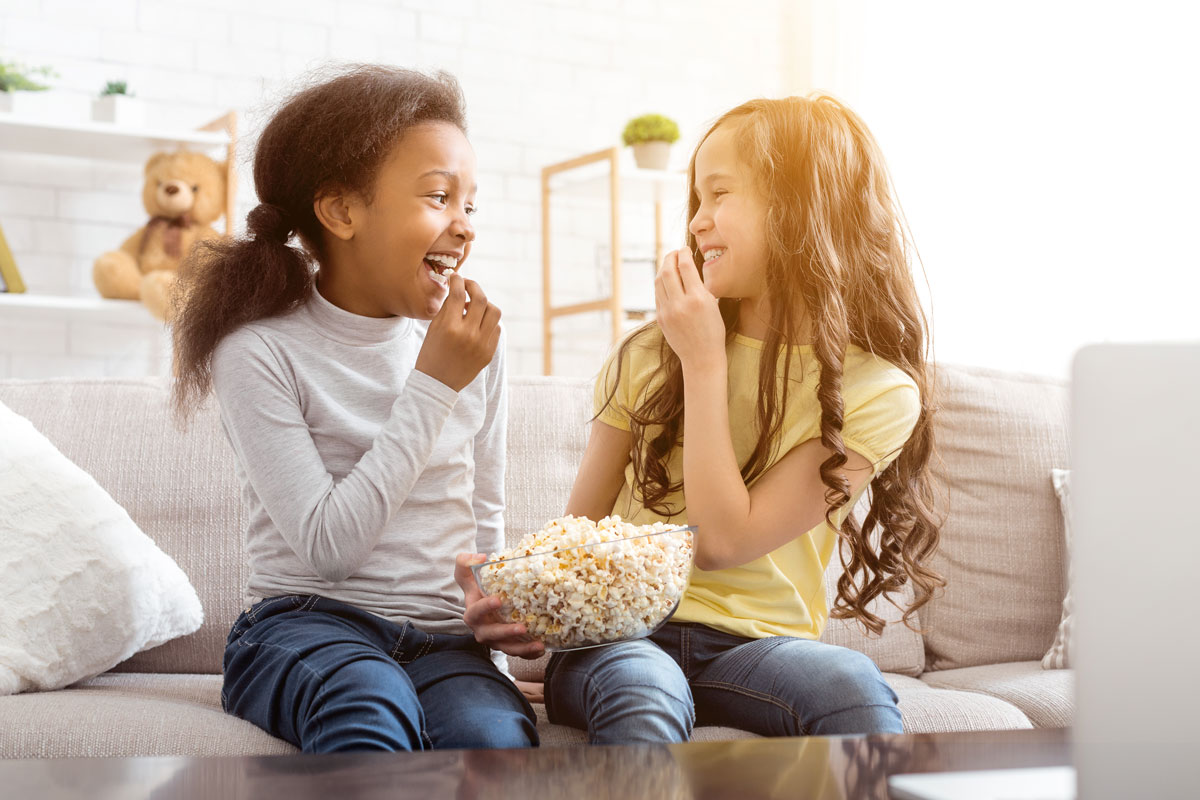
{"x":838,"y":255}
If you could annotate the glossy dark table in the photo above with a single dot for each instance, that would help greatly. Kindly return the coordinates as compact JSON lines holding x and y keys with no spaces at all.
{"x":746,"y":769}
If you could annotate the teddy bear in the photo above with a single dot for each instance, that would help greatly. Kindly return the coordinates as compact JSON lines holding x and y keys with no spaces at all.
{"x":184,"y":193}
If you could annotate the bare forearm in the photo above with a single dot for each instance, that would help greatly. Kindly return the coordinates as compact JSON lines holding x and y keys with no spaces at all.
{"x":717,"y":499}
{"x":591,"y":501}
{"x":601,"y":472}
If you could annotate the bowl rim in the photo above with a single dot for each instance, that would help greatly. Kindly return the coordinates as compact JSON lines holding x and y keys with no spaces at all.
{"x":476,"y":567}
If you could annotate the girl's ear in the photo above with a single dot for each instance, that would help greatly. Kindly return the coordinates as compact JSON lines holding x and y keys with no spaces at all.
{"x":333,"y":212}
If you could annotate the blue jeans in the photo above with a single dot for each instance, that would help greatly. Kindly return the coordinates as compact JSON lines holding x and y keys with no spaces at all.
{"x":686,"y":674}
{"x":329,"y":677}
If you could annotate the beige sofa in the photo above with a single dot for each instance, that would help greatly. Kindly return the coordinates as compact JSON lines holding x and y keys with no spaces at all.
{"x":975,"y":666}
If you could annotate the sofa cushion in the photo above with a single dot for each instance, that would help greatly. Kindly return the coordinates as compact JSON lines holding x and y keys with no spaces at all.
{"x":998,"y":435}
{"x":1059,"y":654}
{"x":927,"y":709}
{"x":1046,"y":697}
{"x":178,"y":486}
{"x":126,"y":714}
{"x":81,"y":587}
{"x":547,"y":431}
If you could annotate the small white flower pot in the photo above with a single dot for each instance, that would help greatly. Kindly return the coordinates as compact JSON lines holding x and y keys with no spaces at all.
{"x":119,"y":109}
{"x":652,"y":155}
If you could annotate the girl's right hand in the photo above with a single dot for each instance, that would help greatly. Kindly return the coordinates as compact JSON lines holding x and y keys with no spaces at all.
{"x":483,"y":618}
{"x":688,"y":314}
{"x":459,"y":345}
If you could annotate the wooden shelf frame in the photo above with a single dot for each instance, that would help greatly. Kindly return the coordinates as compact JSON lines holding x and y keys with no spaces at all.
{"x":612,"y":302}
{"x":228,"y":123}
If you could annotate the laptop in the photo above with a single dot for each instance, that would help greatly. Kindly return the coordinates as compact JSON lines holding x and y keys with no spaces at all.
{"x":1135,"y":461}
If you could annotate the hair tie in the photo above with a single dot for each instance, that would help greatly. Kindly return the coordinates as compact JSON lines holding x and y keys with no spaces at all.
{"x":270,"y":223}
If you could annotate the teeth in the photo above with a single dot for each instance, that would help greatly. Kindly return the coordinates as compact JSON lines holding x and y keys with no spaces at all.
{"x":444,"y":261}
{"x":716,"y":252}
{"x":440,"y":278}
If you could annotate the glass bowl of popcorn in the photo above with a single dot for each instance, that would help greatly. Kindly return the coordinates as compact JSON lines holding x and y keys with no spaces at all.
{"x":577,"y":583}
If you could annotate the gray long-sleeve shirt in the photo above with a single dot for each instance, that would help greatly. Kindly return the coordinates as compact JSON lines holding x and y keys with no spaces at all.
{"x":363,"y":477}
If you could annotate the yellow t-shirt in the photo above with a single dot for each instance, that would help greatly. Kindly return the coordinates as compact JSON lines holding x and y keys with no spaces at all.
{"x":781,"y":593}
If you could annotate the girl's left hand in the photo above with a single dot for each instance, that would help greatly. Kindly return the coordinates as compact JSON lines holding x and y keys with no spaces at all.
{"x":483,"y":619}
{"x":688,"y":313}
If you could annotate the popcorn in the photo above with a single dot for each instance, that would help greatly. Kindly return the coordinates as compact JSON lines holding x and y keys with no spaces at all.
{"x":577,"y":583}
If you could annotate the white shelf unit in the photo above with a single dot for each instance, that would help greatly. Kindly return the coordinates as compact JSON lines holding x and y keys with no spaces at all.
{"x":608,"y":170}
{"x":110,"y":142}
{"x":91,"y":309}
{"x":79,"y":334}
{"x":98,"y":139}
{"x":45,"y":336}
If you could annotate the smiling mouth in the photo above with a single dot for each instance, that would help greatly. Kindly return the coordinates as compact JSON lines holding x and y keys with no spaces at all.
{"x":440,"y":266}
{"x":713,"y":254}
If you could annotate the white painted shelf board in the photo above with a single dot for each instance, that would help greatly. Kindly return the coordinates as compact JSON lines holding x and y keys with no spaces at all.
{"x":99,"y":140}
{"x":92,"y":309}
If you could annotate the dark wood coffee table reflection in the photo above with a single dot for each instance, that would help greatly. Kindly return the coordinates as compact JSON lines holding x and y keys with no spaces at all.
{"x":746,"y":769}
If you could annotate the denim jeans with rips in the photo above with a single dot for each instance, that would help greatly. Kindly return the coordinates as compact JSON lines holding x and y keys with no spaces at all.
{"x":329,"y":677}
{"x":686,"y":674}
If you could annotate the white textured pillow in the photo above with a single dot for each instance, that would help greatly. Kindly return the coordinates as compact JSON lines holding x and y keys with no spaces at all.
{"x":81,"y":587}
{"x":1059,"y":654}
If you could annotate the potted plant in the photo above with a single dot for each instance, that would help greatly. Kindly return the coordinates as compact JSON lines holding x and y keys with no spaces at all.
{"x":651,"y":136}
{"x":16,"y":81}
{"x":117,"y":104}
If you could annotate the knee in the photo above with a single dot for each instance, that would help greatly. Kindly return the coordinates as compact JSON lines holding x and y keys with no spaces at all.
{"x":641,"y":695}
{"x":853,"y":698}
{"x":644,"y":711}
{"x":368,"y":676}
{"x":629,"y":692}
{"x":512,"y":730}
{"x":855,"y":677}
{"x":366,"y":704}
{"x":642,"y":669}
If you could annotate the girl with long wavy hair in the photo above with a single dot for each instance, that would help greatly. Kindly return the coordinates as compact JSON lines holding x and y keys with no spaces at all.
{"x":785,"y":372}
{"x":361,"y":384}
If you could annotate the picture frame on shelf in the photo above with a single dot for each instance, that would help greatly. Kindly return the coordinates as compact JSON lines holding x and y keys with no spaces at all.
{"x":10,"y":277}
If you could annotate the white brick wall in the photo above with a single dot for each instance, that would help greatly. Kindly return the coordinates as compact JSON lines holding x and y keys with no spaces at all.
{"x":544,"y":79}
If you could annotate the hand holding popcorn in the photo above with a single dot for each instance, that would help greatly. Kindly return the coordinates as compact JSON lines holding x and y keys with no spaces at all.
{"x":483,"y":618}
